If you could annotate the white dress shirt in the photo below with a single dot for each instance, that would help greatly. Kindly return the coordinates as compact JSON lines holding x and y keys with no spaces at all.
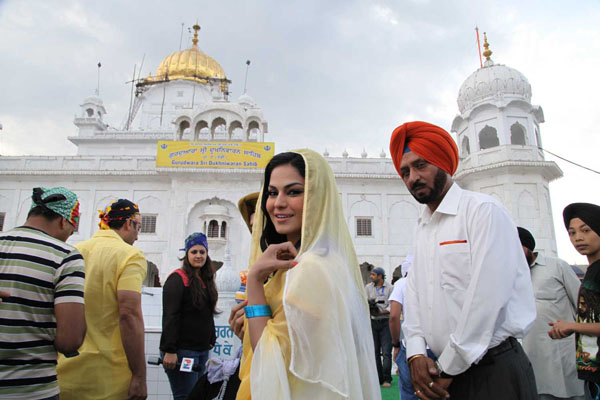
{"x":470,"y":287}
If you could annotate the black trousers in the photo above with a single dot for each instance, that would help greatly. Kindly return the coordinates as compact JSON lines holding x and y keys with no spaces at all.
{"x":382,"y":339}
{"x":504,"y":373}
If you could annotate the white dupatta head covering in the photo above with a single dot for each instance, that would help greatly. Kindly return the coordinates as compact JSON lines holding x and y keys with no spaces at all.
{"x":330,"y":350}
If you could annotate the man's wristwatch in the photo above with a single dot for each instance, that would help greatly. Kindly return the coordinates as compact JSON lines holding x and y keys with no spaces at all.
{"x":441,"y":372}
{"x":396,"y":345}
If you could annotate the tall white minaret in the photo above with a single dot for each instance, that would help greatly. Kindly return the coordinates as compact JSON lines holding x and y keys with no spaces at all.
{"x":498,"y":135}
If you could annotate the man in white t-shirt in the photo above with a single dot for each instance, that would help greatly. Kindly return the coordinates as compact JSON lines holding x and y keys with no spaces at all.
{"x":397,"y":299}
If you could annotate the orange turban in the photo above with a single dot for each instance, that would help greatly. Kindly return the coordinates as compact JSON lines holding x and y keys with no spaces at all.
{"x":426,"y":140}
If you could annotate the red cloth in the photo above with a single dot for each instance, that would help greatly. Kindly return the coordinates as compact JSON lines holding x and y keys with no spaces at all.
{"x":426,"y":140}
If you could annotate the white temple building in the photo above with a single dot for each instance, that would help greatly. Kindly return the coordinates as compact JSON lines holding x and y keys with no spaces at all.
{"x":497,"y":131}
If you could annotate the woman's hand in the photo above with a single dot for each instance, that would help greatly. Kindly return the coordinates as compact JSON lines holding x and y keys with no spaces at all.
{"x":277,"y":256}
{"x":560,"y":329}
{"x":236,"y":319}
{"x":170,"y":360}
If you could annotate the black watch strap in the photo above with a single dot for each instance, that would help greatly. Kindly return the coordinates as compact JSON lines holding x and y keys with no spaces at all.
{"x":396,"y":345}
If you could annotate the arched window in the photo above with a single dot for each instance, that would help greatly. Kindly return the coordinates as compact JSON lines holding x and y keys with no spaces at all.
{"x":218,"y":129}
{"x":213,"y":229}
{"x":253,"y":131}
{"x":201,"y":131}
{"x":517,"y":134}
{"x":223,"y":230}
{"x":236,"y":131}
{"x":183,"y":126}
{"x":90,"y":112}
{"x":466,"y":147}
{"x":488,"y":137}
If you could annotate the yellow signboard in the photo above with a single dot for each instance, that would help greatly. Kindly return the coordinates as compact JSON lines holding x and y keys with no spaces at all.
{"x":213,"y":154}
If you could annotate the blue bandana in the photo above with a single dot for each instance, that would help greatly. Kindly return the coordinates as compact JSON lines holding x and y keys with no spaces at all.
{"x":194,"y":239}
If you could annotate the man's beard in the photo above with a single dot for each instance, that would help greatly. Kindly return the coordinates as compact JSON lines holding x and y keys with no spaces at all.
{"x":438,"y":185}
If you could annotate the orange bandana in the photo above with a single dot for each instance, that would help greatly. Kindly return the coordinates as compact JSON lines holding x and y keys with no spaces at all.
{"x":426,"y":140}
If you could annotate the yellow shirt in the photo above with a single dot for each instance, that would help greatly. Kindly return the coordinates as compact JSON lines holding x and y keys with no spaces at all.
{"x":101,"y":371}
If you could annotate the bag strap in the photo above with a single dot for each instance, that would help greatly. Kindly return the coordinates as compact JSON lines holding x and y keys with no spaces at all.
{"x":183,"y":275}
{"x":185,"y":278}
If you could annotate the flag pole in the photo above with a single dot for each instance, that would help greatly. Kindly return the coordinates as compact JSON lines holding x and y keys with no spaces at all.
{"x":98,"y":87}
{"x":479,"y":47}
{"x":246,"y":79}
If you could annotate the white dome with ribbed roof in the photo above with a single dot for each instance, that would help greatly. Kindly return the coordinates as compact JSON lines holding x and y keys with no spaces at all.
{"x":492,"y":83}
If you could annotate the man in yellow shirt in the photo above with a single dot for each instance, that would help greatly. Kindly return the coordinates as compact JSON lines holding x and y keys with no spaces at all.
{"x":111,"y":364}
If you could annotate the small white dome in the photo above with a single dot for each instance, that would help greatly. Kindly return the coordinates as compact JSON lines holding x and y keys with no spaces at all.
{"x":364,"y":153}
{"x":493,"y":82}
{"x":246,"y":100}
{"x":382,"y":154}
{"x":345,"y":154}
{"x":95,"y":100}
{"x":325,"y":153}
{"x":227,"y":280}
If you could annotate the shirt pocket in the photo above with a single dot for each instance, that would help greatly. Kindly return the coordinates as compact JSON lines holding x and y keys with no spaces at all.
{"x":455,"y":266}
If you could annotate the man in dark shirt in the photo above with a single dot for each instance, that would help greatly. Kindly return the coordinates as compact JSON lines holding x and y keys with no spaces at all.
{"x":582,"y":221}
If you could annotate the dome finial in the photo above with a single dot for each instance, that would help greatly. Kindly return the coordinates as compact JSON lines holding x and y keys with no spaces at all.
{"x":196,"y":28}
{"x":487,"y":53}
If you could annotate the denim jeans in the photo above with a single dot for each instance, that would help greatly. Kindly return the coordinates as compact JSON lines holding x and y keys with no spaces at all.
{"x":382,"y":340}
{"x":406,"y":389}
{"x":182,"y":383}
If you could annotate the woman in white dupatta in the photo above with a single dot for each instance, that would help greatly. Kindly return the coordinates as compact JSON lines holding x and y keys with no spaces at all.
{"x":317,"y":344}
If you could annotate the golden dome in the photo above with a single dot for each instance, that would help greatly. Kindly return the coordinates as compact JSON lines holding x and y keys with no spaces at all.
{"x":191,"y":64}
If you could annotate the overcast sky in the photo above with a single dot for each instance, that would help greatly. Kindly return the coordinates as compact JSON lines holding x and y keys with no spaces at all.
{"x":328,"y":74}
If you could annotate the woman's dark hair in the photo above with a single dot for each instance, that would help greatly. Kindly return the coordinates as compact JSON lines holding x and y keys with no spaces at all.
{"x":270,"y":235}
{"x":202,"y":298}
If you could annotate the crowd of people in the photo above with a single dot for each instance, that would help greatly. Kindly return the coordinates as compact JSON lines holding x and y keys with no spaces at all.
{"x":478,"y":314}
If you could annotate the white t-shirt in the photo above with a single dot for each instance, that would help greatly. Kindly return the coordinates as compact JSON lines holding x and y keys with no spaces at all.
{"x":398,"y":296}
{"x":399,"y":291}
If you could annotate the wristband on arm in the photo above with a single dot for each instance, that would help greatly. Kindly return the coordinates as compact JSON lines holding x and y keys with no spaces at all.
{"x":254,"y":311}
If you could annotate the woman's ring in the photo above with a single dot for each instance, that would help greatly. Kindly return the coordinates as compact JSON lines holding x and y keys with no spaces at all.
{"x":430,"y":384}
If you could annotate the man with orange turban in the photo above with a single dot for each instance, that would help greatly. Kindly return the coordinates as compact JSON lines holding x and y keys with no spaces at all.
{"x":469,"y":295}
